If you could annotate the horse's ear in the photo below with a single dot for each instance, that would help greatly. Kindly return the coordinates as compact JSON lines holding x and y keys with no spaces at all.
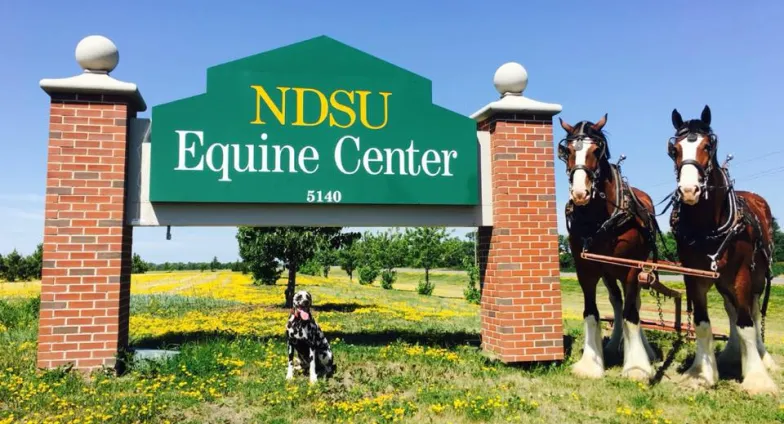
{"x":706,"y":115}
{"x":677,"y":119}
{"x":599,"y":125}
{"x":568,"y":128}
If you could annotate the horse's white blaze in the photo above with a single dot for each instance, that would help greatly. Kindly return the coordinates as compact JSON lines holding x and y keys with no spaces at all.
{"x":579,"y":178}
{"x":755,"y":376}
{"x":690,"y":176}
{"x":592,"y":363}
{"x":635,"y":357}
{"x":704,"y":366}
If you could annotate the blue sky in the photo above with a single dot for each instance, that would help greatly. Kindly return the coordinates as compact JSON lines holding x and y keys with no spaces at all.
{"x":635,"y":61}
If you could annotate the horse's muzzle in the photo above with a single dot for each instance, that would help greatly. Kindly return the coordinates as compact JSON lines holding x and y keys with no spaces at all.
{"x":690,"y":194}
{"x":580,"y":197}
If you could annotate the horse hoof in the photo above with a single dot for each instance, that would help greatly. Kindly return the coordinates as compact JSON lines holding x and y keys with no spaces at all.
{"x":588,"y":369}
{"x":759,"y":384}
{"x":696,"y":378}
{"x":637,"y":374}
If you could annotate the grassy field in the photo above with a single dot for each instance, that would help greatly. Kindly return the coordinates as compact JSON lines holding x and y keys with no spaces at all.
{"x":401,"y":357}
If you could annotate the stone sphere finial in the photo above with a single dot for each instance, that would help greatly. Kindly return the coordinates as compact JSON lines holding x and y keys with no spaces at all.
{"x":97,"y":54}
{"x":510,"y":79}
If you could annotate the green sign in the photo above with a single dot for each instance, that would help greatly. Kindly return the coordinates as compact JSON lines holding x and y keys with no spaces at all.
{"x":313,"y":122}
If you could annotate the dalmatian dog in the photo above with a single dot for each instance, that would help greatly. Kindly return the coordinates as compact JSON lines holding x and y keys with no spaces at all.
{"x":305,"y":337}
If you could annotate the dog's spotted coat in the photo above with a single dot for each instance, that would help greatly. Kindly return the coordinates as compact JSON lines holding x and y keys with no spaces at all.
{"x":304,"y":336}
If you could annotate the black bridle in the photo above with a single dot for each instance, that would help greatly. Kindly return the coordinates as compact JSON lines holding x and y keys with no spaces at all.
{"x":703,"y":171}
{"x":578,"y":139}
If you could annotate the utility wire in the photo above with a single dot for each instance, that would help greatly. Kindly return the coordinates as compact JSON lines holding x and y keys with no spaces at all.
{"x":763,"y":156}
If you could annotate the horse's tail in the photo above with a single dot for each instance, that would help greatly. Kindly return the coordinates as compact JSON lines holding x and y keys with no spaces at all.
{"x":766,"y":296}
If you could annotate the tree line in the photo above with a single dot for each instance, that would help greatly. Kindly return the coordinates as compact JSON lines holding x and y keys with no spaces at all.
{"x":268,"y":252}
{"x":139,"y":266}
{"x":16,"y":267}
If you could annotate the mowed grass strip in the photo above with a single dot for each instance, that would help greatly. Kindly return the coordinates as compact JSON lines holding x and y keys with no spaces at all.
{"x":401,"y":357}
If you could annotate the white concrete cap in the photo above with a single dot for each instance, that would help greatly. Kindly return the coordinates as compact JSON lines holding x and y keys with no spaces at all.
{"x":97,"y":56}
{"x":511,"y":79}
{"x":96,"y":53}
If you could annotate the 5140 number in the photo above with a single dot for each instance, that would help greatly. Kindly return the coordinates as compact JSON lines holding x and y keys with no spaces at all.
{"x":319,"y":196}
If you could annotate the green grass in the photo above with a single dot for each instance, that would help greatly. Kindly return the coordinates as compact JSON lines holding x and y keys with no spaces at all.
{"x":401,"y":358}
{"x":173,"y":305}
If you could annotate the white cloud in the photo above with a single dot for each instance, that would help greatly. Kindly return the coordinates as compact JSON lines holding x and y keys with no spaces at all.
{"x":22,"y":197}
{"x":21,"y":213}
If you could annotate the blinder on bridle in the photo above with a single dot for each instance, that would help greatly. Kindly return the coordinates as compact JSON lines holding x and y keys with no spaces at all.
{"x":692,"y":136}
{"x":578,"y":140}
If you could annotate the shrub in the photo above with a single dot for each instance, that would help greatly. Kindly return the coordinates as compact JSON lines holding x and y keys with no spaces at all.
{"x":311,"y":267}
{"x":388,"y":278}
{"x":472,"y":294}
{"x":425,"y":287}
{"x":17,"y":314}
{"x":778,"y":269}
{"x":566,"y":261}
{"x":368,"y":274}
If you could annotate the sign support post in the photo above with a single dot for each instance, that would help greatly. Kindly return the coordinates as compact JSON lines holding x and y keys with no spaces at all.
{"x":518,"y":255}
{"x":85,"y":287}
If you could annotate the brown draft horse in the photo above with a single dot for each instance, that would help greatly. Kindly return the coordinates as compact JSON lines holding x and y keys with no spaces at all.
{"x":606,"y":216}
{"x":727,"y":231}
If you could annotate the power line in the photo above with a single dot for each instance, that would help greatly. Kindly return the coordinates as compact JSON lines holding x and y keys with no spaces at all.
{"x":763,"y":156}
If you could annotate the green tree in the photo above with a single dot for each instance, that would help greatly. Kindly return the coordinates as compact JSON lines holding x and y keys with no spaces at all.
{"x":426,"y":247}
{"x":778,"y":242}
{"x":565,"y":258}
{"x":293,"y":246}
{"x":138,"y":266}
{"x":668,"y":250}
{"x":2,"y":267}
{"x":14,"y":266}
{"x":350,"y":257}
{"x":239,"y":266}
{"x":310,"y":267}
{"x":471,"y":293}
{"x":259,"y":260}
{"x":384,"y":251}
{"x":455,"y":252}
{"x":32,"y":265}
{"x":215,"y":265}
{"x":326,"y":256}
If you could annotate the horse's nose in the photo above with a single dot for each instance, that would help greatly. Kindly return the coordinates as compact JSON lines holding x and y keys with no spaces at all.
{"x":689,"y":192}
{"x":580,"y":196}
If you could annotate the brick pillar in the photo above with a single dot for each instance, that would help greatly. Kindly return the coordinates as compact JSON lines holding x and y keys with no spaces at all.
{"x":85,"y":288}
{"x":518,"y":255}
